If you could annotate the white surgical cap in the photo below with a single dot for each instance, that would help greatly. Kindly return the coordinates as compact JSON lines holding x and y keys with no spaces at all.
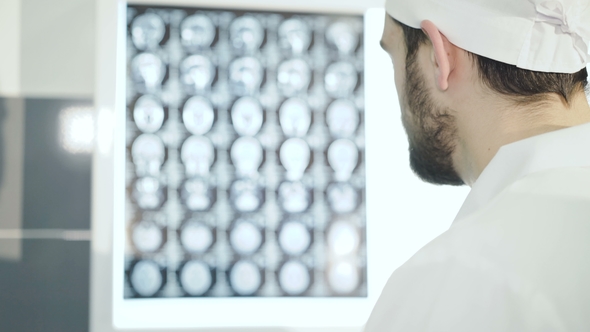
{"x":540,"y":35}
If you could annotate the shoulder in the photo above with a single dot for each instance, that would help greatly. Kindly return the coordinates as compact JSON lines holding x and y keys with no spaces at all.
{"x":460,"y":294}
{"x":515,"y":265}
{"x":546,"y":209}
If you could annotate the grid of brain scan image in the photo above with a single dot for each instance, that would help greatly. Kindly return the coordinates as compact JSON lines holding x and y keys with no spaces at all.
{"x":245,"y":171}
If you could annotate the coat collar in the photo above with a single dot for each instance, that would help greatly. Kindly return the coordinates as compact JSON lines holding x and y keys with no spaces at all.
{"x":568,"y":147}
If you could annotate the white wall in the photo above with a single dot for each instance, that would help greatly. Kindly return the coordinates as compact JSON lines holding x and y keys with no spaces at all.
{"x":57,"y":48}
{"x":47,"y":48}
{"x":10,"y":14}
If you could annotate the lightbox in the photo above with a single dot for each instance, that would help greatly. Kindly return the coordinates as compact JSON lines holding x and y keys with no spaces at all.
{"x":251,"y":169}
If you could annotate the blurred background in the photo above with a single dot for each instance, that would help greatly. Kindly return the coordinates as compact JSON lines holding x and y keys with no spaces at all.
{"x":48,"y":75}
{"x":46,"y":66}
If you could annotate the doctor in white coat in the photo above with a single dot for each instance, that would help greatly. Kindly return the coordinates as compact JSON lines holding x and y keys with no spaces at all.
{"x":492,"y":96}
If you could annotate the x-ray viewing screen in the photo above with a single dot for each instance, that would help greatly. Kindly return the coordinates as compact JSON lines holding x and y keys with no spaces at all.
{"x":245,"y":171}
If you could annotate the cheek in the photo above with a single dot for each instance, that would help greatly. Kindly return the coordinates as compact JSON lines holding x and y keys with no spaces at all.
{"x":399,"y":76}
{"x":400,"y":81}
{"x":407,"y":116}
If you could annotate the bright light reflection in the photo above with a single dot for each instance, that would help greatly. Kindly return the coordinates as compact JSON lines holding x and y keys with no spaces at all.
{"x":343,"y":238}
{"x":77,"y":129}
{"x":343,"y":277}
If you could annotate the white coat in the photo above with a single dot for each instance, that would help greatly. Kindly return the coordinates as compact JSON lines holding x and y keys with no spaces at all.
{"x":517,"y":257}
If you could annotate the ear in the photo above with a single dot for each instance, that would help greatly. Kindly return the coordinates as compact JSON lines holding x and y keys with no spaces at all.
{"x":443,"y":54}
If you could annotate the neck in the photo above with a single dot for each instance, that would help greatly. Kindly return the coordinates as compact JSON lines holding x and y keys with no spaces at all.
{"x":495,"y":123}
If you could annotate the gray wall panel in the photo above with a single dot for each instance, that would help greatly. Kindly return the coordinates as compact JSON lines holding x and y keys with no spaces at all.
{"x":56,"y":182}
{"x":47,"y":291}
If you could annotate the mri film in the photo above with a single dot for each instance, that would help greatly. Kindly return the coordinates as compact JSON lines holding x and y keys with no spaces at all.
{"x":245,"y":154}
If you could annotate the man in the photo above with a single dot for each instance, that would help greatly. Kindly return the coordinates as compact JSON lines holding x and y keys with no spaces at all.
{"x":492,"y":96}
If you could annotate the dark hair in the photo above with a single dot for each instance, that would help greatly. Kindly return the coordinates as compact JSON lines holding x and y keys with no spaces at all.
{"x":523,"y":86}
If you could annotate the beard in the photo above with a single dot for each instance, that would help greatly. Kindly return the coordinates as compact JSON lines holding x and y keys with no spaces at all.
{"x":431,"y":131}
